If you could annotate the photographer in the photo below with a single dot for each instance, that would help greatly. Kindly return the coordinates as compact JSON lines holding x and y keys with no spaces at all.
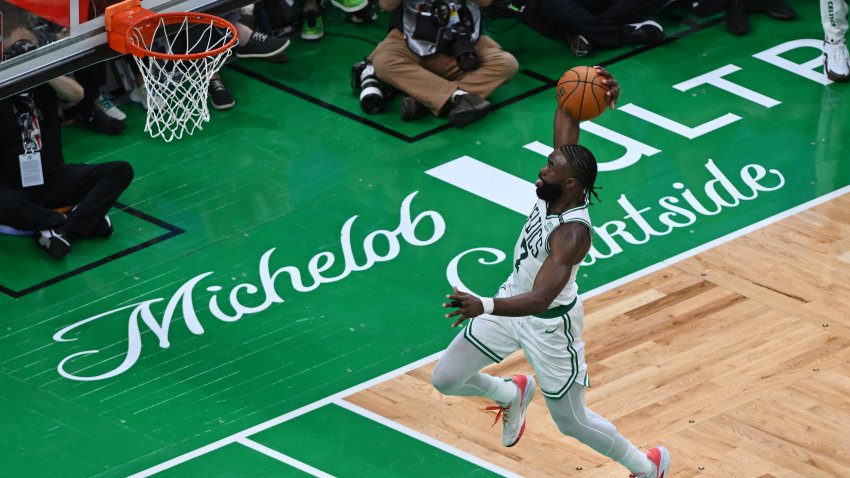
{"x":435,"y":53}
{"x":590,"y":24}
{"x":34,"y":179}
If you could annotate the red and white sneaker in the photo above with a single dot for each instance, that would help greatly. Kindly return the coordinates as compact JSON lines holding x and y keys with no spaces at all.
{"x":513,"y":412}
{"x":660,"y":458}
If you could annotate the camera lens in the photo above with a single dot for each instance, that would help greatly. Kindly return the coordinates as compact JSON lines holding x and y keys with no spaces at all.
{"x":464,"y":51}
{"x":371,"y":95}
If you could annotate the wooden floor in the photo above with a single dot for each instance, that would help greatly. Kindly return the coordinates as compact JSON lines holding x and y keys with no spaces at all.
{"x":736,"y":359}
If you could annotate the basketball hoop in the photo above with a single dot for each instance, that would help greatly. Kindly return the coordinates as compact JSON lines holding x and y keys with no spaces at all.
{"x":177,"y":54}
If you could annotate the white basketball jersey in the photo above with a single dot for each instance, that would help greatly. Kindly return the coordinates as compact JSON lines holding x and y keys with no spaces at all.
{"x":532,"y":249}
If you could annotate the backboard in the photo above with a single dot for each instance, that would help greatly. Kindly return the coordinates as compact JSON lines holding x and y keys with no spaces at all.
{"x":71,"y":35}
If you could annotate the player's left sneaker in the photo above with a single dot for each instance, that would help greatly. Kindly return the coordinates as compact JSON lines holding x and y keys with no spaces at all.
{"x":660,"y":458}
{"x":513,"y":412}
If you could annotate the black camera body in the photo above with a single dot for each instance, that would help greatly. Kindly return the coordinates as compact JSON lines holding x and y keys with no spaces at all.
{"x":451,"y":28}
{"x":18,"y":48}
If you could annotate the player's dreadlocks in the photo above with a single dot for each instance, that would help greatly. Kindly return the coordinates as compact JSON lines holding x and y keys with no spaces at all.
{"x":584,"y":164}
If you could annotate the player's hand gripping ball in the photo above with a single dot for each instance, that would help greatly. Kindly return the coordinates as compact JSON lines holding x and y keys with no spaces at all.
{"x":581,"y":93}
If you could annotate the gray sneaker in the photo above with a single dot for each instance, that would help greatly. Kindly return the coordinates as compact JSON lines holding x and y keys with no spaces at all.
{"x":513,"y":412}
{"x":260,"y":45}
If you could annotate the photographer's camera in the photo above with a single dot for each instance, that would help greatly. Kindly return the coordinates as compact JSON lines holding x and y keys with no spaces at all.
{"x":372,"y":91}
{"x":451,"y":28}
{"x":18,"y":48}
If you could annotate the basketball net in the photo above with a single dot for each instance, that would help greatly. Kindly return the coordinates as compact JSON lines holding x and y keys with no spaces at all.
{"x":178,"y":88}
{"x":177,"y":55}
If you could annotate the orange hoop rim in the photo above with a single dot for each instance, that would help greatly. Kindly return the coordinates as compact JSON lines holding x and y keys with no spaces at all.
{"x":149,"y":23}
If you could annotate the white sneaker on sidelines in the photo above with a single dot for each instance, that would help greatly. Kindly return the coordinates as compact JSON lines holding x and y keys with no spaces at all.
{"x":140,"y":95}
{"x":836,"y":61}
{"x":105,"y":103}
{"x":513,"y":412}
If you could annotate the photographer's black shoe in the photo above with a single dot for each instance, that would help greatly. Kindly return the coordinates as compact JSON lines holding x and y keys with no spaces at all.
{"x":54,"y":241}
{"x":773,"y":8}
{"x":643,"y":33}
{"x":737,"y":22}
{"x":412,"y":110}
{"x":220,"y":98}
{"x":579,"y":45}
{"x":104,"y":228}
{"x":260,"y":45}
{"x":367,"y":15}
{"x":467,"y":108}
{"x":98,"y":120}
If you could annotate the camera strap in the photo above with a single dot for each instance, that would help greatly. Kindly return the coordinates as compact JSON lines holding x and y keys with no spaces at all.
{"x":27,"y":114}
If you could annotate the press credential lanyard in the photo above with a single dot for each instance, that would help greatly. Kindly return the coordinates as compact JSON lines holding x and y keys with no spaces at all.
{"x":32,"y":173}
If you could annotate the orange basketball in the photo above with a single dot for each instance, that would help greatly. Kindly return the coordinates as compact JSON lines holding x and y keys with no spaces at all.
{"x":581,"y":93}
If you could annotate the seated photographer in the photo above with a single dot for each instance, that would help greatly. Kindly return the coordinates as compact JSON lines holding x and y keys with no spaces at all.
{"x":737,"y":11}
{"x":435,"y":53}
{"x":589,"y":24}
{"x":34,"y":179}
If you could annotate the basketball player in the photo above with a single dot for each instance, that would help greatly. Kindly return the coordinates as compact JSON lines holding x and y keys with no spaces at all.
{"x":538,"y":309}
{"x":836,"y":60}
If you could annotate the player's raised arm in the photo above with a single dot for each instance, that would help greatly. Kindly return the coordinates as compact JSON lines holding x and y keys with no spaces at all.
{"x":577,"y":93}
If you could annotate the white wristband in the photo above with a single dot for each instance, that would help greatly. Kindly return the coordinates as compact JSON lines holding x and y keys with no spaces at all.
{"x":488,"y":304}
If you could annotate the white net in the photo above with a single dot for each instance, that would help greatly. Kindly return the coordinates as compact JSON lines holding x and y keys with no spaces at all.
{"x":177,"y":89}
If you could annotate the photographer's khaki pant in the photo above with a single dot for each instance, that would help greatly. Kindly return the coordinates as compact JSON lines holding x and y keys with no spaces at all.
{"x":431,"y":80}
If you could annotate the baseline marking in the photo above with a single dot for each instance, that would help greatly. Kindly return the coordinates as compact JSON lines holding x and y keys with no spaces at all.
{"x":283,"y":458}
{"x":426,"y":439}
{"x":285,"y":417}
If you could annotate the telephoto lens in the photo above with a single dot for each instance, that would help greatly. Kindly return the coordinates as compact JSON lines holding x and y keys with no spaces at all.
{"x":363,"y":79}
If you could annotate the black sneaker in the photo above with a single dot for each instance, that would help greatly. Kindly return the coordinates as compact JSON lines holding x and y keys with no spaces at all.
{"x":643,"y":33}
{"x":467,"y":108}
{"x":773,"y":8}
{"x":54,"y":241}
{"x":220,"y":98}
{"x":579,"y":45}
{"x":104,"y":229}
{"x":366,"y":15}
{"x":412,"y":110}
{"x":737,"y":22}
{"x":97,"y":119}
{"x":261,"y":45}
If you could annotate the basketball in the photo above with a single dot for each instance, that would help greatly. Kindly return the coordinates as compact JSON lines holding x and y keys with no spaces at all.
{"x":581,"y":93}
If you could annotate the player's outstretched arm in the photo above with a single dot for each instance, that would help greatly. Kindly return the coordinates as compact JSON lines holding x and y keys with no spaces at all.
{"x":566,"y":129}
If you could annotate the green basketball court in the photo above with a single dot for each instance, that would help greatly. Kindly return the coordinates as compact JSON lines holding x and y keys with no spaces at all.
{"x":297,"y":250}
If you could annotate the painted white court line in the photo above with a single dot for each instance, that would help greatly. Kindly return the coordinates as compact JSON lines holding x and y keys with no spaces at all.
{"x":424,"y":361}
{"x":717,"y":242}
{"x":283,"y":458}
{"x":426,"y":439}
{"x":285,"y":417}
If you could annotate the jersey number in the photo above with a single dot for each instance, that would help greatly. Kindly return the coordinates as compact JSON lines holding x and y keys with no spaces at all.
{"x":522,"y":254}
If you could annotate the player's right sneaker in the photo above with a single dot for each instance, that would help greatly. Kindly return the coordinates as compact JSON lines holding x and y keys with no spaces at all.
{"x":836,"y":61}
{"x":660,"y":458}
{"x":513,"y":412}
